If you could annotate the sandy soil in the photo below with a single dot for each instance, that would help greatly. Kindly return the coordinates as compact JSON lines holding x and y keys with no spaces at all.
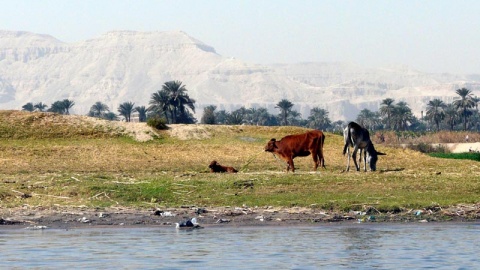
{"x":80,"y":217}
{"x":463,"y":147}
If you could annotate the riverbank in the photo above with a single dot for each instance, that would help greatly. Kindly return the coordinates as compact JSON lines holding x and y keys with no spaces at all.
{"x":81,"y":217}
{"x":62,"y":171}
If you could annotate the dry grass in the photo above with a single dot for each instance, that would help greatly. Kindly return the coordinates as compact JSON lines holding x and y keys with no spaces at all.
{"x":54,"y":159}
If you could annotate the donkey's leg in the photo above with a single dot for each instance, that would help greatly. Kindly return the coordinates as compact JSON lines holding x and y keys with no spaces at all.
{"x":354,"y":157}
{"x":365,"y":160}
{"x":348,"y":159}
{"x":360,"y":151}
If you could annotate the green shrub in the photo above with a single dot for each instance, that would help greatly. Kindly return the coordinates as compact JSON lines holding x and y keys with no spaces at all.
{"x":157,"y":122}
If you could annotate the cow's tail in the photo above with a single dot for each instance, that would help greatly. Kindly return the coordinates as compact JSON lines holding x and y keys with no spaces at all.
{"x":321,"y":157}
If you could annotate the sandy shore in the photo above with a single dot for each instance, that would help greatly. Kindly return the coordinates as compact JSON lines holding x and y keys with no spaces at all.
{"x":82,"y":217}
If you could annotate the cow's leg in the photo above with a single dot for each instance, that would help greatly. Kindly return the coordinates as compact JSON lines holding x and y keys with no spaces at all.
{"x":315,"y":159}
{"x":354,"y":157}
{"x":291,"y":165}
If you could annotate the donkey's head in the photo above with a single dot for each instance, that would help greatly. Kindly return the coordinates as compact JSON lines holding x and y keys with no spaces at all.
{"x":372,"y":157}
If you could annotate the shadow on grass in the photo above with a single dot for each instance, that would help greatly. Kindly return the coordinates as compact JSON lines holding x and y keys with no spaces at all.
{"x":393,"y":170}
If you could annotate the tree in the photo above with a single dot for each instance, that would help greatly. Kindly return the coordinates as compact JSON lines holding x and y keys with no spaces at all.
{"x":67,"y":105}
{"x":98,"y":109}
{"x":261,"y":117}
{"x":125,"y":109}
{"x":368,"y":119}
{"x":464,"y":104}
{"x":40,"y":106}
{"x":295,"y":119}
{"x":318,"y":119}
{"x":142,"y":113}
{"x":476,"y":100}
{"x":110,"y":116}
{"x":28,"y":107}
{"x":386,"y":110}
{"x":435,"y":111}
{"x":174,"y":102}
{"x":402,"y":116}
{"x":285,"y":107}
{"x":235,"y":118}
{"x":159,"y":104}
{"x":209,"y":115}
{"x":57,"y":107}
{"x":451,"y":116}
{"x":179,"y":99}
{"x":221,"y":117}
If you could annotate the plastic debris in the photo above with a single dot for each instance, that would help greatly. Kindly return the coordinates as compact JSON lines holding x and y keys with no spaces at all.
{"x":37,"y":227}
{"x":188,"y":224}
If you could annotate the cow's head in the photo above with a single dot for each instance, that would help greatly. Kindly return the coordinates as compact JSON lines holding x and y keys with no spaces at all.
{"x":372,"y":159}
{"x":271,"y":145}
{"x":212,"y":164}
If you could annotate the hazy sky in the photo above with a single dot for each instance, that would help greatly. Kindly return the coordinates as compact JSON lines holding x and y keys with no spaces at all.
{"x":431,"y":36}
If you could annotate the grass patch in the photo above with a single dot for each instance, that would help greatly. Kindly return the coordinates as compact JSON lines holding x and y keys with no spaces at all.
{"x":470,"y":156}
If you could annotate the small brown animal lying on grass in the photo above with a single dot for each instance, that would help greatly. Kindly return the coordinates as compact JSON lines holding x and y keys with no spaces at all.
{"x":217,"y":168}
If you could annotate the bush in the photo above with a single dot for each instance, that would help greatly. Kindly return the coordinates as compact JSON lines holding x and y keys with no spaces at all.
{"x":157,"y":122}
{"x":428,"y":148}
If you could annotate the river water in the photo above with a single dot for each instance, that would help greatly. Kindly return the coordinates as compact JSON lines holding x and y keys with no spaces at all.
{"x":351,"y":246}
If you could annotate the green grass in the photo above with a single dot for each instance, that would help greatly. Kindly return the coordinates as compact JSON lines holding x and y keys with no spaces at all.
{"x":470,"y":156}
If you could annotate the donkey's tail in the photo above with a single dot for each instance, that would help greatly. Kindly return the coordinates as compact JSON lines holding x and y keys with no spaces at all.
{"x":348,"y":138}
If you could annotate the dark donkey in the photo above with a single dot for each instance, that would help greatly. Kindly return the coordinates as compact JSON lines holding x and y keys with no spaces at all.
{"x":359,"y":138}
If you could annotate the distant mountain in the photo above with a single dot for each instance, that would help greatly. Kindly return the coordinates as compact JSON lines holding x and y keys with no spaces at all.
{"x":125,"y":66}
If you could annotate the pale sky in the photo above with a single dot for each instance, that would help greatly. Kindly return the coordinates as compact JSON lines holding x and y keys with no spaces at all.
{"x":431,"y":35}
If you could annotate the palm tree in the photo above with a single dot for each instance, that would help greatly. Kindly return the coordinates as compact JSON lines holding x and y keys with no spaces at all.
{"x":476,"y":100}
{"x":285,"y":107}
{"x":98,"y":109}
{"x":67,"y":105}
{"x":402,"y":116}
{"x":58,"y":107}
{"x":386,"y":110}
{"x":125,"y":109}
{"x":261,"y":117}
{"x":178,"y":99}
{"x":435,"y":111}
{"x":142,"y":113}
{"x":464,"y":104}
{"x":173,"y":102}
{"x":40,"y":106}
{"x":110,"y":116}
{"x":451,"y":116}
{"x":318,"y":118}
{"x":28,"y":107}
{"x":159,"y":103}
{"x":295,"y":119}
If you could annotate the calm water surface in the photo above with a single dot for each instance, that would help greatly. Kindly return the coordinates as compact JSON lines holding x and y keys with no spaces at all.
{"x":359,"y":246}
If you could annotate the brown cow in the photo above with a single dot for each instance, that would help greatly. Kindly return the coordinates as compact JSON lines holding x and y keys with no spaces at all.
{"x":299,"y":145}
{"x":215,"y":167}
